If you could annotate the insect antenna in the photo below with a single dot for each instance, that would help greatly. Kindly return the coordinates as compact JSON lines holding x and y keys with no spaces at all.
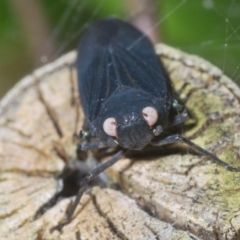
{"x":83,"y":186}
{"x":178,"y":138}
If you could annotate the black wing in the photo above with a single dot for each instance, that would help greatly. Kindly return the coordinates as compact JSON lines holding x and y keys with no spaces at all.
{"x":113,"y":55}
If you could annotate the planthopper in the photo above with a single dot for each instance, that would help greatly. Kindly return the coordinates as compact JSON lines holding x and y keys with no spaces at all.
{"x":127,"y":97}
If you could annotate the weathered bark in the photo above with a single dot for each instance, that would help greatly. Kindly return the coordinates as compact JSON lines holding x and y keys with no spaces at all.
{"x":175,"y":188}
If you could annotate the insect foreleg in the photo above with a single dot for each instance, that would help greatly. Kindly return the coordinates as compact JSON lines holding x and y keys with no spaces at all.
{"x":83,"y":185}
{"x":91,"y":146}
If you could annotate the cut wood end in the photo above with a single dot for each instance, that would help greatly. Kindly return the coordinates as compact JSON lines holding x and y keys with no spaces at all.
{"x":180,"y":189}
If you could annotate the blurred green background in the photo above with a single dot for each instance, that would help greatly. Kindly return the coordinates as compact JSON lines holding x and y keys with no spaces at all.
{"x":35,"y":32}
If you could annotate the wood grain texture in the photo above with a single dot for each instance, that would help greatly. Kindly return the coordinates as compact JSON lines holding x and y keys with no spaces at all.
{"x":171,"y":193}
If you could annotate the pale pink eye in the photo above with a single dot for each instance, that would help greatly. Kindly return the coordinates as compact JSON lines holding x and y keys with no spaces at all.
{"x":110,"y":127}
{"x":150,"y":115}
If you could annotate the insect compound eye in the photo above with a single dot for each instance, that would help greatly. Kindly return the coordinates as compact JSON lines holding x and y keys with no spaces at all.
{"x":157,"y":130}
{"x":150,"y":115}
{"x":110,"y":127}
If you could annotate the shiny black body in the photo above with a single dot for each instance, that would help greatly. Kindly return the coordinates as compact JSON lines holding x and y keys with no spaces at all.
{"x":119,"y":74}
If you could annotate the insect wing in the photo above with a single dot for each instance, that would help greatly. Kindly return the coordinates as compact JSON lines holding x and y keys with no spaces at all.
{"x":115,"y":55}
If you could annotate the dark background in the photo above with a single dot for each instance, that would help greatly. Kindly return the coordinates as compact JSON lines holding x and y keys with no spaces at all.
{"x":35,"y":32}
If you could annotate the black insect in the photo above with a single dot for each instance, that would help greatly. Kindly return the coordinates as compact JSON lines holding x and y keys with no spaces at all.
{"x":126,"y":96}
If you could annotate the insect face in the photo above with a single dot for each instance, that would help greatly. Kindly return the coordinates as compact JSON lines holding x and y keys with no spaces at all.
{"x":130,"y":120}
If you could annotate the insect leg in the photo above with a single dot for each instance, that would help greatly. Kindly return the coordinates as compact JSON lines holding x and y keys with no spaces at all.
{"x":180,"y":118}
{"x":91,"y":145}
{"x":83,"y":185}
{"x":179,"y":138}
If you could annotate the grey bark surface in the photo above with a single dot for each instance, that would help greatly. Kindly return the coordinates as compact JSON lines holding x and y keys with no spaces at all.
{"x":170,"y":193}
